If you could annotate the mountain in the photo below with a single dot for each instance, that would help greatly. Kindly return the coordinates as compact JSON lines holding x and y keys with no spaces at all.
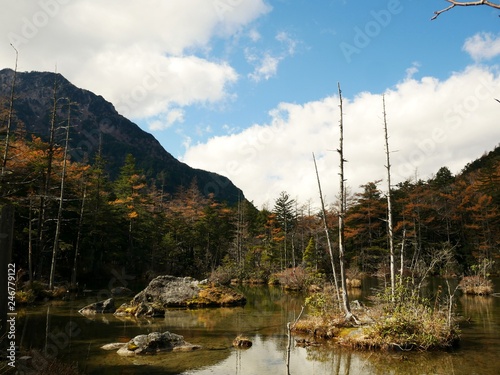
{"x":96,"y":124}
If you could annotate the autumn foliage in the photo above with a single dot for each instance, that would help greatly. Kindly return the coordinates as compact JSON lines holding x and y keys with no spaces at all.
{"x":130,"y":223}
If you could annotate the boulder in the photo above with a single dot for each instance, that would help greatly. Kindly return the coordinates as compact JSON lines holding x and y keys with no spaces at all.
{"x":151,"y":344}
{"x":101,"y":307}
{"x":165,"y":292}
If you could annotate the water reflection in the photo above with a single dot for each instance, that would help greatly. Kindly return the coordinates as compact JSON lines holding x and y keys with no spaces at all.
{"x":58,"y":329}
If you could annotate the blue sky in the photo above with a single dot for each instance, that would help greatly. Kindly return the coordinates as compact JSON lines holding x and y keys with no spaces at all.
{"x":248,"y":88}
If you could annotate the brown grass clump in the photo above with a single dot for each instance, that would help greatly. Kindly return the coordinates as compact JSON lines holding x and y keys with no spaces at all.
{"x":217,"y":296}
{"x":319,"y":327}
{"x":476,"y":285}
{"x":293,"y":278}
{"x":418,"y":328}
{"x":405,"y":322}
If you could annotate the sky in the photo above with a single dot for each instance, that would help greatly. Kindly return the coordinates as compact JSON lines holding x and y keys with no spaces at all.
{"x":249,"y":89}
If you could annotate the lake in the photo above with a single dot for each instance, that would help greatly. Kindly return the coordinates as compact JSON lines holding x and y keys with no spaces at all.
{"x":57,"y":329}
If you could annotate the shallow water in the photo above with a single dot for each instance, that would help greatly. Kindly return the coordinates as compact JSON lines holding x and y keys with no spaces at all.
{"x":59,"y":330}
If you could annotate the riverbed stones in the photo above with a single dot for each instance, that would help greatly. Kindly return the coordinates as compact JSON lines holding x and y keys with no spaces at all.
{"x":101,"y":307}
{"x":166,"y":292}
{"x":151,"y":343}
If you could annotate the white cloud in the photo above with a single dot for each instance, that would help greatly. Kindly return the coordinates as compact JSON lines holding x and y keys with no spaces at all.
{"x":265,"y":68}
{"x":431,"y":124}
{"x":145,"y":84}
{"x":95,"y":45}
{"x":254,"y":35}
{"x":167,"y":120}
{"x":203,"y":130}
{"x":266,"y":63}
{"x":290,"y":43}
{"x":412,"y":70}
{"x":482,"y":46}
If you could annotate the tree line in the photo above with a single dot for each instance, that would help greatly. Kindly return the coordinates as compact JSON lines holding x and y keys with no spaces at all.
{"x":73,"y":224}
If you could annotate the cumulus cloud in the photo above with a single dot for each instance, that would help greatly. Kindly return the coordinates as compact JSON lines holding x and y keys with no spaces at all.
{"x":96,"y":45}
{"x":482,"y":46}
{"x":431,"y":124}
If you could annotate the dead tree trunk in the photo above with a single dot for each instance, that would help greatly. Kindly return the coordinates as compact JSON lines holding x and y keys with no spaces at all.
{"x":389,"y":206}
{"x":55,"y":247}
{"x":345,"y":297}
{"x":78,"y":236}
{"x":9,"y":118}
{"x":44,"y":197}
{"x":401,"y":271}
{"x":327,"y":233}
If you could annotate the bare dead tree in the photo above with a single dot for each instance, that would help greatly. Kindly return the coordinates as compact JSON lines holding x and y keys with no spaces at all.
{"x":55,"y":247}
{"x":455,"y":3}
{"x":389,"y":204}
{"x":9,"y":118}
{"x":345,"y":297}
{"x":327,"y":233}
{"x":79,"y":234}
{"x":44,"y":198}
{"x":289,"y":327}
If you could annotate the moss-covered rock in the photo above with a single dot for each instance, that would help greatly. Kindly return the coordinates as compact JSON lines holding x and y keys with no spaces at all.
{"x":101,"y":307}
{"x":151,"y":344}
{"x":165,"y":292}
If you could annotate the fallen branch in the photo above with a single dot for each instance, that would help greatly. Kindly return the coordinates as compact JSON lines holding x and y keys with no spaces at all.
{"x":289,"y":327}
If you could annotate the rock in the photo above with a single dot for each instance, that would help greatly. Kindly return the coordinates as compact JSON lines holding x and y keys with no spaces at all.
{"x":165,"y":292}
{"x":101,"y":307}
{"x":114,"y":346}
{"x":151,"y":344}
{"x":242,"y":342}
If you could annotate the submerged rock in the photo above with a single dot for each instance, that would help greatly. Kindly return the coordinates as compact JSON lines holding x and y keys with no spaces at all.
{"x":165,"y":292}
{"x":101,"y":307}
{"x":151,"y":344}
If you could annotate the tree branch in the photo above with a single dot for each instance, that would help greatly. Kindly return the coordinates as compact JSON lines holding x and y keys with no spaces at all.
{"x":455,"y":3}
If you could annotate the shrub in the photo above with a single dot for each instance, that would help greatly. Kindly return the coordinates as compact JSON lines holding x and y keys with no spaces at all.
{"x":476,"y":285}
{"x":25,"y":297}
{"x":293,"y":278}
{"x":407,"y":322}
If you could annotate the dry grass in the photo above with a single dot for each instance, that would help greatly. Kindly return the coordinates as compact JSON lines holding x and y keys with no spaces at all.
{"x":476,"y":285}
{"x":319,"y":327}
{"x":408,"y":323}
{"x":293,"y":278}
{"x":416,"y":328}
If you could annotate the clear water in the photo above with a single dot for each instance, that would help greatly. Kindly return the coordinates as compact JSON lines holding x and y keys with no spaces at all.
{"x":57,"y":329}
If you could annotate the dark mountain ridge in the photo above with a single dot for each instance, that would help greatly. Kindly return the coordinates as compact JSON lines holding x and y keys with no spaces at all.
{"x":97,"y":125}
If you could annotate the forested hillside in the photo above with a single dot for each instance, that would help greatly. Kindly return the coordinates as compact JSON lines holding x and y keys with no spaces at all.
{"x":96,"y":127}
{"x":75,"y":223}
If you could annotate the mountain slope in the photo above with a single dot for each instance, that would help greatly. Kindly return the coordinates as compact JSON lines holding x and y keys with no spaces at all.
{"x":96,"y":123}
